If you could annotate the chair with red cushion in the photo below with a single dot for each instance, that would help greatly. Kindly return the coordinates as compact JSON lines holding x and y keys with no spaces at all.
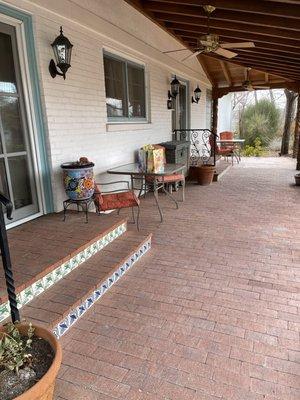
{"x":169,"y":180}
{"x":225,"y":151}
{"x":116,"y":199}
{"x":227,"y":135}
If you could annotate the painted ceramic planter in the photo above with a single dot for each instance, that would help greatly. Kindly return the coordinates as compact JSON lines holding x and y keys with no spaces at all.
{"x":78,"y":180}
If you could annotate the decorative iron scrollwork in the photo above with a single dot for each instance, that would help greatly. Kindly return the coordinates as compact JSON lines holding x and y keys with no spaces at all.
{"x":203,"y":145}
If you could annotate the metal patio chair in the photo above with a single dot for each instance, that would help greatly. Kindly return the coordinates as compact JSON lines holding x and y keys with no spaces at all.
{"x":116,"y":199}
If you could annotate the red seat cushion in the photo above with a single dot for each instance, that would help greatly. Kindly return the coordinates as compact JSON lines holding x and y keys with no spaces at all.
{"x":167,"y":178}
{"x":114,"y":201}
{"x":223,"y":151}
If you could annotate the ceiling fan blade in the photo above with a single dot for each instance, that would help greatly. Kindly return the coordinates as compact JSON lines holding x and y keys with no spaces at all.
{"x":192,"y":55}
{"x":242,"y":45}
{"x":225,"y":53}
{"x":173,"y":51}
{"x":261,"y":87}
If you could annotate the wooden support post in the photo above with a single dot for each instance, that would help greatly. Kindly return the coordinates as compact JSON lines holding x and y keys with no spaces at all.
{"x":215,"y":104}
{"x":298,"y":158}
{"x":297,"y":129}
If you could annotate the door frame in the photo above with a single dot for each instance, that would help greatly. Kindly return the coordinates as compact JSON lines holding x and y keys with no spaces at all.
{"x":22,"y":22}
{"x":188,"y":106}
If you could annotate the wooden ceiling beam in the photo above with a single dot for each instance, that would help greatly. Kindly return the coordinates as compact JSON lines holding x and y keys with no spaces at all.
{"x":262,"y":68}
{"x":232,"y":16}
{"x":286,"y":63}
{"x":264,"y":53}
{"x":255,"y":6}
{"x":238,"y":27}
{"x":270,"y":64}
{"x":190,"y":25}
{"x":226,"y":72}
{"x":206,"y":70}
{"x":290,"y":85}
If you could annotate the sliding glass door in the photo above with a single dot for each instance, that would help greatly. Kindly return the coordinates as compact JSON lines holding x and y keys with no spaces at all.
{"x":17,"y":179}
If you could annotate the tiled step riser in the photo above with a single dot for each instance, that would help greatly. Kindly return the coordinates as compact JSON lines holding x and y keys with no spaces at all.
{"x":41,"y":285}
{"x":60,"y":329}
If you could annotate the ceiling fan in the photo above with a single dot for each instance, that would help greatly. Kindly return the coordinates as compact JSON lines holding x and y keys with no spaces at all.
{"x":210,"y":43}
{"x":247,"y":84}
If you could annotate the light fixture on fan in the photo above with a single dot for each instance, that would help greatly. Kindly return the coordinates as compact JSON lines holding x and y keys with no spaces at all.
{"x":210,"y":43}
{"x":247,"y":84}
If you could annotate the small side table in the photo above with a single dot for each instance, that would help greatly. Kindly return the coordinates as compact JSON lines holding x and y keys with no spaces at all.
{"x":84,"y":204}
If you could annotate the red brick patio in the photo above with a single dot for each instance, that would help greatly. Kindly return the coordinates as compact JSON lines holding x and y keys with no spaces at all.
{"x":212,"y":311}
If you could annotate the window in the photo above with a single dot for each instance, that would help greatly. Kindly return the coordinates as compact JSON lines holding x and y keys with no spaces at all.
{"x":125,"y":89}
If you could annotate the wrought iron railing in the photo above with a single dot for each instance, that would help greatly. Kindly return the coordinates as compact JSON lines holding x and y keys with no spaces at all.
{"x":203,"y":144}
{"x":6,"y":260}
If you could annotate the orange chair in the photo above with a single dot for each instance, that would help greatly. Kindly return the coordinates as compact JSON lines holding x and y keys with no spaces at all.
{"x":116,"y":199}
{"x":227,"y":135}
{"x":225,"y":151}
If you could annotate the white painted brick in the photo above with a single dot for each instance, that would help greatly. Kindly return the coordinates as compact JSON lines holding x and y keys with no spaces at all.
{"x":75,"y":110}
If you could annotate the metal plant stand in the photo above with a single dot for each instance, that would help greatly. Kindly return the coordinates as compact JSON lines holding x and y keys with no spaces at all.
{"x":83,"y":204}
{"x":6,"y":260}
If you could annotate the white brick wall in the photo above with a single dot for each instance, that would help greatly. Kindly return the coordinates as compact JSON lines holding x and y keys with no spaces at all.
{"x":75,"y":110}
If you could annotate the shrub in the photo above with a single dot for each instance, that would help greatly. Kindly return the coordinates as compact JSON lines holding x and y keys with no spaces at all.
{"x":253,"y":151}
{"x":261,"y":121}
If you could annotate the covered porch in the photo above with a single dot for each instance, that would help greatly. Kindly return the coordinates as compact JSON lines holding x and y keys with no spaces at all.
{"x":212,"y":311}
{"x":204,"y":306}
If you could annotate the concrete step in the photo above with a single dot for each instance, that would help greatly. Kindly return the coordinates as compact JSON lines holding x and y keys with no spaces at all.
{"x":65,"y":302}
{"x":44,"y":251}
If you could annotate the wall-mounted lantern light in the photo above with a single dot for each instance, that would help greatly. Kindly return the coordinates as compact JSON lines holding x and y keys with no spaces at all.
{"x":197,"y":95}
{"x":174,"y":88}
{"x":172,"y":94}
{"x":62,"y":48}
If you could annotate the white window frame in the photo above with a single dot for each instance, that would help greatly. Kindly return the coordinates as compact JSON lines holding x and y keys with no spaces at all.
{"x":128,"y":120}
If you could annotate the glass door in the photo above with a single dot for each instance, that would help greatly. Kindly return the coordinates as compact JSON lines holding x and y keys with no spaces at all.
{"x":16,"y":167}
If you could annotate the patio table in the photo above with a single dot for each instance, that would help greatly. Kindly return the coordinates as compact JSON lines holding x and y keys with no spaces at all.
{"x":134,"y":171}
{"x":232,"y":142}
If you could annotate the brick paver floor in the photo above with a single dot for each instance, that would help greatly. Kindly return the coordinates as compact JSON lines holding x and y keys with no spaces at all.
{"x":212,"y":312}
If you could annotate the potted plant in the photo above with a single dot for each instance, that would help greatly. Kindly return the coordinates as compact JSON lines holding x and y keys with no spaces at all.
{"x":30,"y":357}
{"x":205,"y":174}
{"x":297,"y":179}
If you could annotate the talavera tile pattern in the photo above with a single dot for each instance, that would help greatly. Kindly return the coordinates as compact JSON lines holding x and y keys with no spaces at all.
{"x":38,"y":287}
{"x":75,"y":314}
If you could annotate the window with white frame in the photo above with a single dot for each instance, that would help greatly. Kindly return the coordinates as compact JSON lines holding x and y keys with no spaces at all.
{"x":125,"y":89}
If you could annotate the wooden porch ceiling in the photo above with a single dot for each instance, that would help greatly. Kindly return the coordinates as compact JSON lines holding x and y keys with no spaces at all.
{"x":273,"y":25}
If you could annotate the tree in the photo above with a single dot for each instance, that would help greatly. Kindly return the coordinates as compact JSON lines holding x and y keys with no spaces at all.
{"x":289,"y":113}
{"x":261,"y":121}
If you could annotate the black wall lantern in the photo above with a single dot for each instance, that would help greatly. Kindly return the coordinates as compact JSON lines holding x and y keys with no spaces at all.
{"x":174,"y":88}
{"x":197,"y":94}
{"x":62,"y":48}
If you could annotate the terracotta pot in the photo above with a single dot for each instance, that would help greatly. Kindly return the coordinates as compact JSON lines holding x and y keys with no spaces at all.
{"x":205,"y":174}
{"x":43,"y":389}
{"x":297,"y":179}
